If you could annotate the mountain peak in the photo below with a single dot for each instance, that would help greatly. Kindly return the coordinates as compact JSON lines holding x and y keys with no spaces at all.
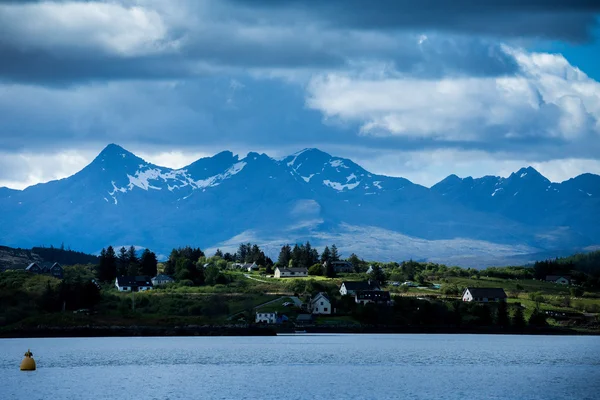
{"x":528,"y":173}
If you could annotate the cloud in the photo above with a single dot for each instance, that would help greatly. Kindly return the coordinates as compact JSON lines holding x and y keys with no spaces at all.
{"x":549,"y":105}
{"x":74,"y":42}
{"x":555,"y":19}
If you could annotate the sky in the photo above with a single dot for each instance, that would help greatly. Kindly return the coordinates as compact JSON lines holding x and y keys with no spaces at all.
{"x":413,"y":89}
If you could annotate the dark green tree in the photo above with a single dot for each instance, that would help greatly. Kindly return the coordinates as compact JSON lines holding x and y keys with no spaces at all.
{"x":330,"y":270}
{"x":219,"y":253}
{"x":518,"y":319}
{"x":378,"y":275}
{"x":148,"y":263}
{"x":316,"y":270}
{"x":326,"y":255}
{"x":355,"y":261}
{"x":335,"y":256}
{"x":107,"y":266}
{"x":123,"y":262}
{"x":285,"y":255}
{"x":502,"y":318}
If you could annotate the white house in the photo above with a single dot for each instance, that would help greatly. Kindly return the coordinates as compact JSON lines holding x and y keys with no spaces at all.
{"x":320,"y":304}
{"x":560,"y":279}
{"x":484,"y":295}
{"x":350,"y":288}
{"x":266,"y":317}
{"x":290,"y":272}
{"x":251,"y":267}
{"x":161,"y":280}
{"x":133,"y":283}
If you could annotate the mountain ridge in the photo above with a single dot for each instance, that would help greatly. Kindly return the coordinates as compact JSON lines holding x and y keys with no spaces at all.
{"x":309,"y":195}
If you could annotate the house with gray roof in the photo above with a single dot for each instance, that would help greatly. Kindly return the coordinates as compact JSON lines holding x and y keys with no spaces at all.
{"x":290,"y":272}
{"x":351,"y":287}
{"x":484,"y":295}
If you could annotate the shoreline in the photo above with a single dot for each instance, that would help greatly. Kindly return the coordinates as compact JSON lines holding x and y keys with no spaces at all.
{"x":258,"y":330}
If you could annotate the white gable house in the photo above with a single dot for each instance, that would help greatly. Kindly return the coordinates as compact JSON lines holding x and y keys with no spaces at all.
{"x":320,"y":304}
{"x":266,"y":317}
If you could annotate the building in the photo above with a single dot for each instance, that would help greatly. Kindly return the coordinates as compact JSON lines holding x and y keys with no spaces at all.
{"x":340,"y":266}
{"x":266,"y":317}
{"x":133,"y":283}
{"x":320,"y":304}
{"x":350,"y":288}
{"x":560,"y":279}
{"x":372,"y":296}
{"x":161,"y":280}
{"x":250,"y":267}
{"x":304,"y":319}
{"x":290,"y":272}
{"x":484,"y":295}
{"x":55,"y":270}
{"x":34,"y":268}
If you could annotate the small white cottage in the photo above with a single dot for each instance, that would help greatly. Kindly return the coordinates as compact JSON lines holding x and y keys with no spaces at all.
{"x":320,"y":304}
{"x":266,"y":317}
{"x":484,"y":295}
{"x":290,"y":272}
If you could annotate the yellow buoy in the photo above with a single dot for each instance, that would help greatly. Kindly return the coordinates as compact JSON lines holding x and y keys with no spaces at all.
{"x":28,"y":363}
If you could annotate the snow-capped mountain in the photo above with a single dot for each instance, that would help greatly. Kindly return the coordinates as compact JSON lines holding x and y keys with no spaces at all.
{"x":224,"y":200}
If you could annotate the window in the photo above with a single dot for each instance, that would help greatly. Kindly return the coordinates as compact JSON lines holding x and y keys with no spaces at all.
{"x":325,"y":309}
{"x":321,"y":303}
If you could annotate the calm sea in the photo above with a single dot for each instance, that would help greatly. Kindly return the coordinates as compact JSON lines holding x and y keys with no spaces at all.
{"x":305,"y":367}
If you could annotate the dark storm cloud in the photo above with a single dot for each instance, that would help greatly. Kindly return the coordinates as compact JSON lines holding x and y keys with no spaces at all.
{"x":55,"y":54}
{"x":560,"y":19}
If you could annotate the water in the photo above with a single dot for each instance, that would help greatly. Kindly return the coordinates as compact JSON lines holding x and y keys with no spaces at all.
{"x":305,"y":367}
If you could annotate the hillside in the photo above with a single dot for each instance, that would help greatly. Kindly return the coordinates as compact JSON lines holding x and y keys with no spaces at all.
{"x":15,"y":258}
{"x":120,"y":199}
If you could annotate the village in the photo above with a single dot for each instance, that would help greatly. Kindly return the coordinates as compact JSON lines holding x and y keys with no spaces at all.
{"x":357,"y":298}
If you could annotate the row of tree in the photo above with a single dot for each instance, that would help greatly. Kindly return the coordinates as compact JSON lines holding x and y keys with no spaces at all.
{"x":126,"y":263}
{"x":305,"y":256}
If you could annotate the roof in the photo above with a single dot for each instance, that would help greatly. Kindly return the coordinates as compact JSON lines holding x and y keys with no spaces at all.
{"x":56,"y":265}
{"x":293,"y":269}
{"x":367,"y":285}
{"x":30,"y":266}
{"x":320,"y":294}
{"x":134,"y":281}
{"x":557,"y":277}
{"x":162,"y":277}
{"x":373,"y":295}
{"x":488,"y":293}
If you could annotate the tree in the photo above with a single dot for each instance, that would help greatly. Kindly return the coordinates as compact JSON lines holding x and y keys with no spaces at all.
{"x":334,"y":253}
{"x":219,"y":253}
{"x":354,"y":260}
{"x":285,"y":255}
{"x":518,"y":319}
{"x":148,"y":263}
{"x":123,"y":261}
{"x":171,"y":263}
{"x":502,"y":314}
{"x":316,"y":270}
{"x":330,"y":270}
{"x":538,"y":318}
{"x":107,"y":266}
{"x":379,"y":275}
{"x":326,"y":255}
{"x":212,"y":275}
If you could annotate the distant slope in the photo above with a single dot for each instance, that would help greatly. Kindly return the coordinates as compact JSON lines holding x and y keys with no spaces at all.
{"x":15,"y":258}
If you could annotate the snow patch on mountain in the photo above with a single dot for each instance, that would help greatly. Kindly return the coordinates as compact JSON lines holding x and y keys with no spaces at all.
{"x":340,"y":187}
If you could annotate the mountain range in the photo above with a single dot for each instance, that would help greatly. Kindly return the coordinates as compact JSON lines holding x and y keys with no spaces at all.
{"x":224,"y":200}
